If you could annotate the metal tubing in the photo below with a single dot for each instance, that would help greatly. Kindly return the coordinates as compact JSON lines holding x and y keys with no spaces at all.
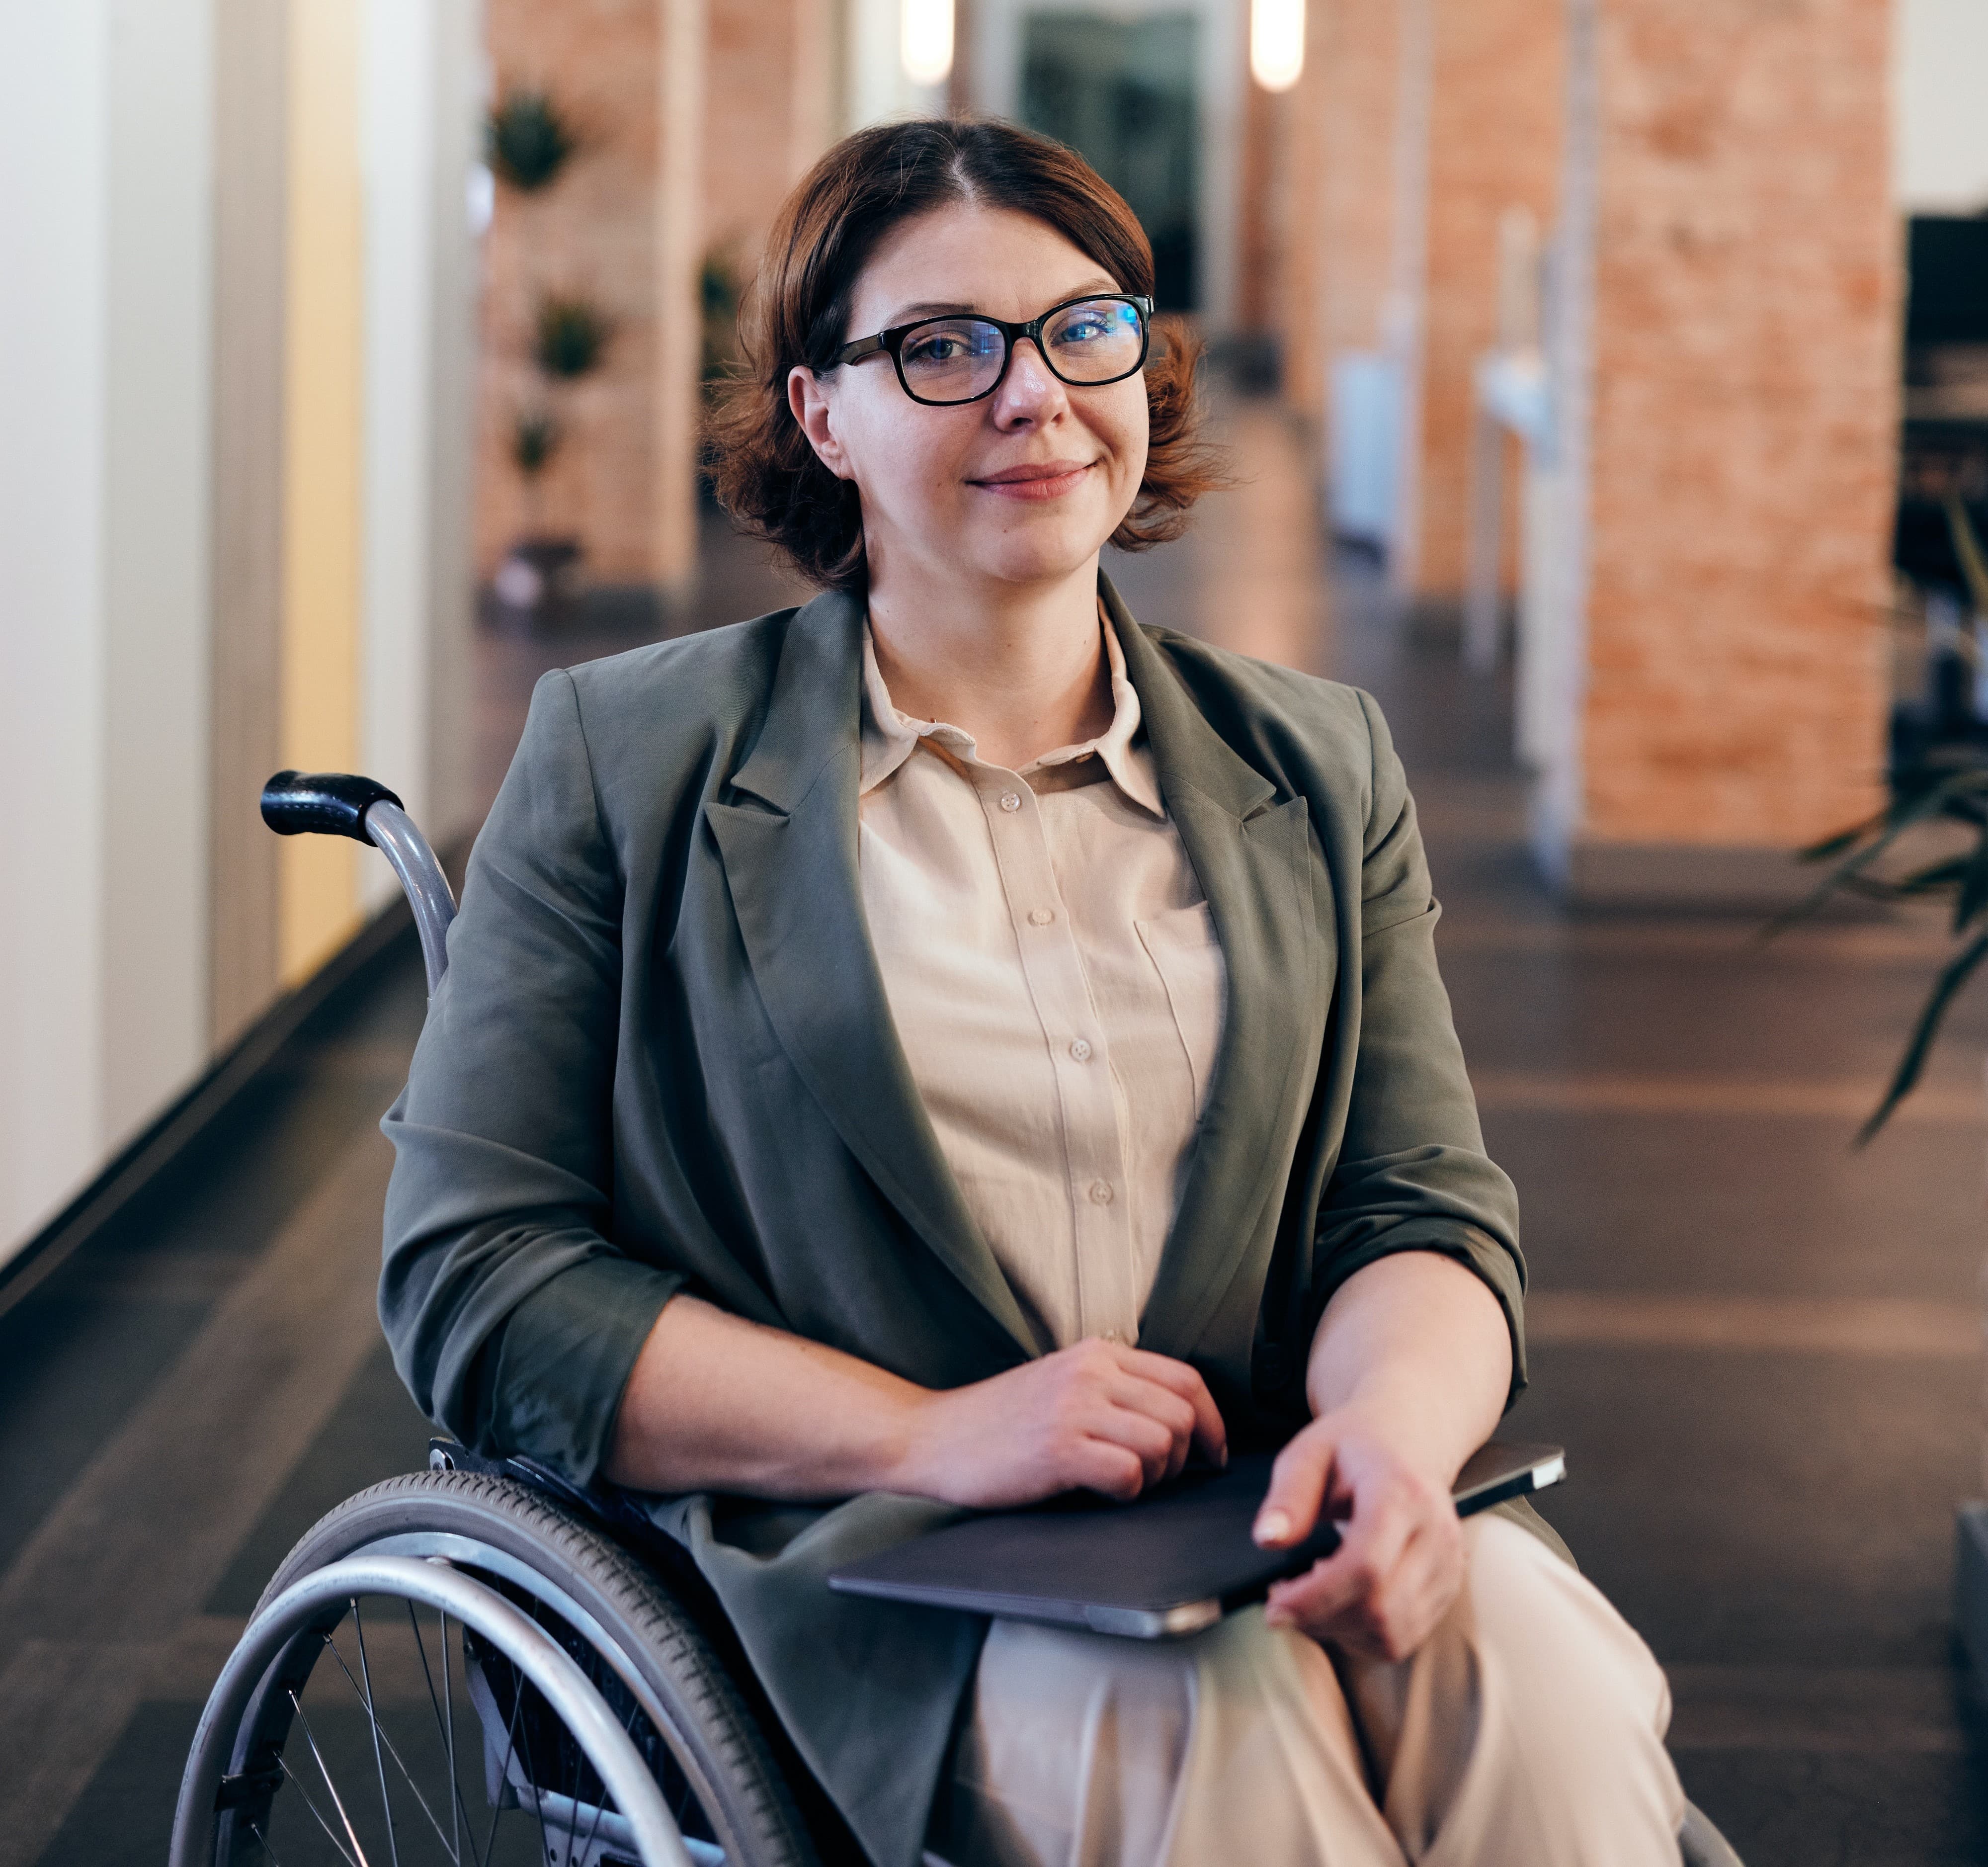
{"x":296,"y":1613}
{"x":393,"y":832}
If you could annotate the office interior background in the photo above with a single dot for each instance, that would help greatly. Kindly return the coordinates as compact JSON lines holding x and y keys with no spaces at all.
{"x":1602,"y":377}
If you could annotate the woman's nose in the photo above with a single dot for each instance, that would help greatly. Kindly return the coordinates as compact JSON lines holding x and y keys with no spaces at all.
{"x":1030,"y":391}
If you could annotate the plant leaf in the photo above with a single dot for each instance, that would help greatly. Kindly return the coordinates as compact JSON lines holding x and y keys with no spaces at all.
{"x":1942,"y":874}
{"x":1956,"y":974}
{"x":1973,"y":895}
{"x":1967,"y":548}
{"x":1901,"y":817}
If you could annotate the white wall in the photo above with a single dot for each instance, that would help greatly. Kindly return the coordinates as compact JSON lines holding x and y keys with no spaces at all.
{"x":105,"y":135}
{"x":107,"y":322}
{"x":877,"y":88}
{"x":1939,"y":106}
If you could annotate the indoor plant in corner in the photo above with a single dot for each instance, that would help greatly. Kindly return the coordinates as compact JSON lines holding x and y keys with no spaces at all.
{"x":1941,"y":784}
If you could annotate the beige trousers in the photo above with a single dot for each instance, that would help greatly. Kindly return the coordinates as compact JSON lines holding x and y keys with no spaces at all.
{"x":1528,"y":1729}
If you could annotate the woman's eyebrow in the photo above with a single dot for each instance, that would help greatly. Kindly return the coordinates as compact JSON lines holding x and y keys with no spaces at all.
{"x":910,"y":314}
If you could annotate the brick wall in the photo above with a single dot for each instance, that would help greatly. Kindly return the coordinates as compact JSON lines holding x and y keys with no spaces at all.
{"x":1356,"y":58}
{"x":591,"y":232}
{"x":1496,"y":86}
{"x":768,"y":92}
{"x":767,"y":116}
{"x":1745,"y":411}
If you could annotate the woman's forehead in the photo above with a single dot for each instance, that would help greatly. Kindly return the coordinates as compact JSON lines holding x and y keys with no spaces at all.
{"x":965,"y":256}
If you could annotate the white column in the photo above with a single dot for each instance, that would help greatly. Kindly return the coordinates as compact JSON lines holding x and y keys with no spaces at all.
{"x":1939,"y":71}
{"x":106,"y":138}
{"x":419,"y":100}
{"x":1553,"y":679}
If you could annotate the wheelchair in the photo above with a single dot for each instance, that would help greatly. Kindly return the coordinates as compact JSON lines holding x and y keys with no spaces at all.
{"x":545,"y":1677}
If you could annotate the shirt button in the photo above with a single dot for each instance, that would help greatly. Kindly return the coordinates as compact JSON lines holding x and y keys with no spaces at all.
{"x":1080,"y":1050}
{"x":1100,"y":1192}
{"x":1112,"y":1335}
{"x":1041,"y":917}
{"x":1010,"y":800}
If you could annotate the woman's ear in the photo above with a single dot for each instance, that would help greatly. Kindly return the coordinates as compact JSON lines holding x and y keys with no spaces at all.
{"x":812,"y":411}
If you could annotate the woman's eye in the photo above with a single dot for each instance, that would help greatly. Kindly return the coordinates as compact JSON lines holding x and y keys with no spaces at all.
{"x":1085,"y":328}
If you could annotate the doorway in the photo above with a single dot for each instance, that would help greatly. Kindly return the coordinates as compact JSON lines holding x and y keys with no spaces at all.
{"x":1121,"y":91}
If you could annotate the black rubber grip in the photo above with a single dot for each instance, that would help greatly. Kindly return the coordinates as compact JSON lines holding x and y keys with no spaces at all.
{"x":323,"y":803}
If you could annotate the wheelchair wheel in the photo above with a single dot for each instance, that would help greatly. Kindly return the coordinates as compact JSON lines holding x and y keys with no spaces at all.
{"x":383,"y":1708}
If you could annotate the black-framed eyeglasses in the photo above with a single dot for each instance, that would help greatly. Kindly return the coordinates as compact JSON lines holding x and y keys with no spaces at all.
{"x":961,"y":357}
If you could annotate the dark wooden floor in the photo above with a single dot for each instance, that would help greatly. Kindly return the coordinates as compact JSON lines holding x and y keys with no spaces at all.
{"x":1760,"y":1348}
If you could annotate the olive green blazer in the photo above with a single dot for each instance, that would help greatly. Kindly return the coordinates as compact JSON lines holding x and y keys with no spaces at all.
{"x":662,"y":1059}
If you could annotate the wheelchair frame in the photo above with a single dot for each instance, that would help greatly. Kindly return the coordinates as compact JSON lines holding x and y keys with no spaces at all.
{"x":236,"y":1766}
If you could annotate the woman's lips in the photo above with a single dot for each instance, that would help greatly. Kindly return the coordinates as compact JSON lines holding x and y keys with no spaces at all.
{"x":1050,"y":481}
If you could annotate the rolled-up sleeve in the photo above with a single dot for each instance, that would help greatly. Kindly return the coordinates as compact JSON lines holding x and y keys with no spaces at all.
{"x":514,"y":1317}
{"x":1412,"y":1174}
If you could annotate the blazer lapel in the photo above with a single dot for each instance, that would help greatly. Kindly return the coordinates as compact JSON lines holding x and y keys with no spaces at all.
{"x":1253,"y":858}
{"x":791,"y":869}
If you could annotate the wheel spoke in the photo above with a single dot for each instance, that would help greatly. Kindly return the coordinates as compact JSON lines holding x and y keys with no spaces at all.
{"x":454,"y":1777}
{"x":538,"y":1788}
{"x":381,"y":1735}
{"x":504,"y":1773}
{"x":310,"y":1803}
{"x":372,"y":1718}
{"x":445,"y":1730}
{"x":266,"y":1849}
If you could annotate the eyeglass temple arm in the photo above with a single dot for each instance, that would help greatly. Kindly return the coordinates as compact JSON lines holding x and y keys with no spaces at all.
{"x":862,"y":347}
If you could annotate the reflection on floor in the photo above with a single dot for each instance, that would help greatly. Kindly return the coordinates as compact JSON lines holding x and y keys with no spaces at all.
{"x":1760,"y":1348}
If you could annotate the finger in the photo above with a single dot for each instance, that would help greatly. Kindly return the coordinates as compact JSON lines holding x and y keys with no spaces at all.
{"x":1210,"y":1433}
{"x":1105,"y":1466}
{"x":1393,"y":1622}
{"x":1139,"y":1433}
{"x":1298,"y":1479}
{"x":1382,"y":1561}
{"x":1163,"y":1405}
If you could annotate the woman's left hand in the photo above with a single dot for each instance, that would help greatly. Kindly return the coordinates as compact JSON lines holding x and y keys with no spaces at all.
{"x":1399,"y":1561}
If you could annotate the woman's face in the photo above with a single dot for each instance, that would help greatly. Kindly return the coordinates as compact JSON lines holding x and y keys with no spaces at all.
{"x":1021,"y":487}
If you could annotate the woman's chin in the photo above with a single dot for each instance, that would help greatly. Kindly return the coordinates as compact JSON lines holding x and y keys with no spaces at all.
{"x":1037,"y":557}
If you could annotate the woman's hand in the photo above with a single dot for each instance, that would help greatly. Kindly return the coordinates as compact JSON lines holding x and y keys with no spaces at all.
{"x":1400,"y":1561}
{"x":1097,"y":1415}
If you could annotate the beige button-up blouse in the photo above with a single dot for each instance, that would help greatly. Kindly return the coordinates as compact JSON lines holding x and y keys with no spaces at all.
{"x":1053,"y":973}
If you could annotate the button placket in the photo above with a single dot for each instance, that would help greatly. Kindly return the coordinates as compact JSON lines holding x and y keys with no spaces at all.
{"x":1089,"y":1116}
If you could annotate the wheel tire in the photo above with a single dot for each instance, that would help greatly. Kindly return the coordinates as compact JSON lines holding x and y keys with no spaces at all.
{"x":729,"y":1762}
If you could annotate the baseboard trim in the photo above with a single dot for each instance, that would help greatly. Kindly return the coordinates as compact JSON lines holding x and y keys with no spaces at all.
{"x":373,"y":950}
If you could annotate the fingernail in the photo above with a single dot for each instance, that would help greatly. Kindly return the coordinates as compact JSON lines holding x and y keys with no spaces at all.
{"x":1224,"y":1459}
{"x":1272,"y":1526}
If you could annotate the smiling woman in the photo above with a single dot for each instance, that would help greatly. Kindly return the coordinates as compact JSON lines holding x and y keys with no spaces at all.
{"x":946,"y":1045}
{"x":801,"y":312}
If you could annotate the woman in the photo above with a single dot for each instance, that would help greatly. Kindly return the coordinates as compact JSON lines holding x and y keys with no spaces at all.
{"x":946,"y":1045}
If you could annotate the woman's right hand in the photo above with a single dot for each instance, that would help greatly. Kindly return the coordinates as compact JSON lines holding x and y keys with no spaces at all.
{"x":1097,"y":1416}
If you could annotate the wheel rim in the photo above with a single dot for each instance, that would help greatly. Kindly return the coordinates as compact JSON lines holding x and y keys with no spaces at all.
{"x":686,"y":1786}
{"x":387,"y":1712}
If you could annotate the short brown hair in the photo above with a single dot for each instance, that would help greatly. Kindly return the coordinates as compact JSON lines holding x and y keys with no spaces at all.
{"x":764,"y":471}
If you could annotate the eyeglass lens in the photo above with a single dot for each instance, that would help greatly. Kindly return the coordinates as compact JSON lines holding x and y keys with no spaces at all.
{"x":955,"y":359}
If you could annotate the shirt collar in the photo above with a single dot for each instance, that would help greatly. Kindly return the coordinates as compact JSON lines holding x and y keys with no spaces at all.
{"x":890,"y":737}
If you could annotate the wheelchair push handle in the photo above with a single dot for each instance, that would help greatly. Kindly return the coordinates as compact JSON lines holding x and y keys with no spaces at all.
{"x":321,"y":803}
{"x":344,"y":804}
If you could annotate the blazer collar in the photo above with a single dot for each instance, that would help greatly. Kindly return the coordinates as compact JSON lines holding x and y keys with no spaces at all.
{"x":1186,"y":748}
{"x":813,"y":714}
{"x":792,"y":872}
{"x":1253,"y":857}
